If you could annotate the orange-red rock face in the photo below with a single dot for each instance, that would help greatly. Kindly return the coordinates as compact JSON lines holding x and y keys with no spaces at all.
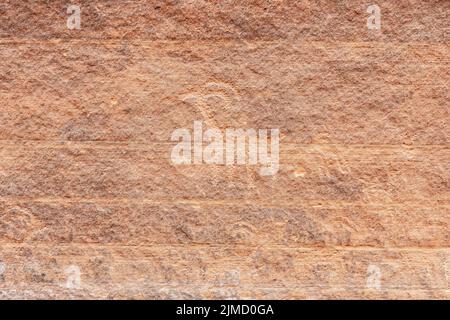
{"x":91,"y":205}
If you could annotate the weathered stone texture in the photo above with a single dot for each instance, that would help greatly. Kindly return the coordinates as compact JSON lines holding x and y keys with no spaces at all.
{"x":92,"y":207}
{"x":407,"y":20}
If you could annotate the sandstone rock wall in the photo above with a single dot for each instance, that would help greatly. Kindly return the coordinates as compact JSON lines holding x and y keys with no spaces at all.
{"x":92,"y":207}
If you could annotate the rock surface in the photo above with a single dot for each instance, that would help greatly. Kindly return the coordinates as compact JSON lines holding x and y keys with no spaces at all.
{"x":92,"y":207}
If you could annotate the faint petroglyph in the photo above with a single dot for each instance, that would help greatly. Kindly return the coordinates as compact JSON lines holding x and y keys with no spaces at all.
{"x":220,"y":90}
{"x":73,"y":273}
{"x":74,"y":20}
{"x":373,"y":277}
{"x":374,"y":20}
{"x":241,"y":232}
{"x":212,"y":94}
{"x":18,"y":224}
